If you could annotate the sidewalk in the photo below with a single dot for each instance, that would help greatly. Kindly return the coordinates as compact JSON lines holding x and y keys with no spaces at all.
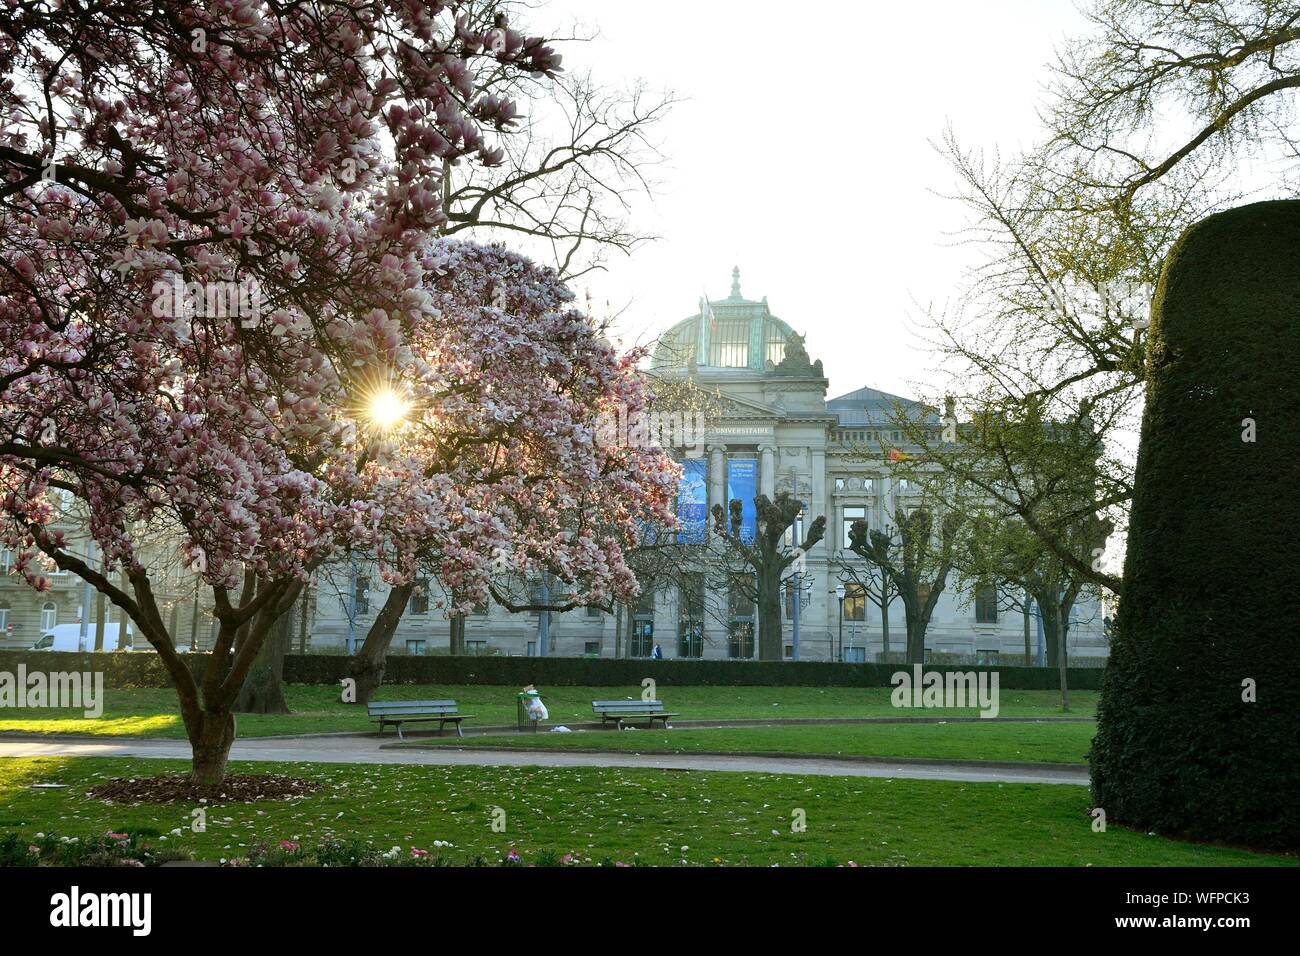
{"x":368,"y":750}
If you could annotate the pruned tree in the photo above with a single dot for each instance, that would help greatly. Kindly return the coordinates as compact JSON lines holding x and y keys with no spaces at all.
{"x":759,"y":562}
{"x":917,"y":561}
{"x":875,"y":584}
{"x":1005,"y":554}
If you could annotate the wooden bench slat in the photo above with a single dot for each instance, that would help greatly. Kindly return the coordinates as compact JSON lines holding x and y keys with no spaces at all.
{"x":398,"y":712}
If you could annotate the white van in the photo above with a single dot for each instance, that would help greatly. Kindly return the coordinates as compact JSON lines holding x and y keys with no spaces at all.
{"x":67,"y":637}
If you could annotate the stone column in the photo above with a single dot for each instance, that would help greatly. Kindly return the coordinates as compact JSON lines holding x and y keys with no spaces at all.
{"x":817,"y":507}
{"x":767,"y":471}
{"x":717,"y":477}
{"x":715,"y":597}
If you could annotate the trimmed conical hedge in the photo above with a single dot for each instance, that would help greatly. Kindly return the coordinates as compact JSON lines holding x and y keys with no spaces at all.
{"x":1211,"y":594}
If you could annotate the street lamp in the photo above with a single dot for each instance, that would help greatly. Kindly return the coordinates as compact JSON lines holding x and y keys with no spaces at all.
{"x":839,"y":593}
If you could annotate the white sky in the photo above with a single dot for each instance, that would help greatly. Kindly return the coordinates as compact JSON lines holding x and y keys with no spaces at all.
{"x":802,"y":154}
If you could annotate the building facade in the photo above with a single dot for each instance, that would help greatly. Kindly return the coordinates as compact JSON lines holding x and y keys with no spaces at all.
{"x":26,"y":613}
{"x":776,"y":431}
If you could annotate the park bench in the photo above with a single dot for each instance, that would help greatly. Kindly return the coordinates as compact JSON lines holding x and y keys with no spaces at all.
{"x":621,"y":710}
{"x":398,"y":712}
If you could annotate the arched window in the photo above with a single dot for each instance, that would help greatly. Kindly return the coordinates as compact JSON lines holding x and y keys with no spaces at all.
{"x":49,"y":616}
{"x":729,"y":347}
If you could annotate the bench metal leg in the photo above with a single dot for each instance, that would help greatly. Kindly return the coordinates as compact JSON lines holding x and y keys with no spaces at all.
{"x":459,"y":732}
{"x":399,"y":731}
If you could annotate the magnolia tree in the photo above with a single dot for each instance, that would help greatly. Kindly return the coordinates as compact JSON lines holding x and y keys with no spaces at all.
{"x":493,"y":464}
{"x":216,"y":257}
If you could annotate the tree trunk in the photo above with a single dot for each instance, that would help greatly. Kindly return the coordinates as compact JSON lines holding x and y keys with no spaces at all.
{"x":304,"y":615}
{"x":263,"y":690}
{"x":100,"y":618}
{"x":211,"y":741}
{"x":618,"y":629}
{"x":1028,"y":653}
{"x":771,"y":642}
{"x":884,"y":627}
{"x":366,"y":667}
{"x":194,"y":621}
{"x":915,"y":643}
{"x":1062,"y":624}
{"x":1051,"y":632}
{"x":915,"y":634}
{"x":121,"y":624}
{"x":458,"y":634}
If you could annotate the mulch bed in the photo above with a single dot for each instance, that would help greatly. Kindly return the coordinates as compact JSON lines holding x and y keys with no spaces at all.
{"x":172,"y":788}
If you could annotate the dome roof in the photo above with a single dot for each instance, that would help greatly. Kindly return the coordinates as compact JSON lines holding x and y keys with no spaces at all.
{"x":734,"y":332}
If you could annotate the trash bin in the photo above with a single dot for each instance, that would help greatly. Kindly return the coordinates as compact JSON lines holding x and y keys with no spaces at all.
{"x":523,"y":720}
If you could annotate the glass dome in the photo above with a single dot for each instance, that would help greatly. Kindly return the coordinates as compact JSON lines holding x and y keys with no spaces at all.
{"x":734,"y":332}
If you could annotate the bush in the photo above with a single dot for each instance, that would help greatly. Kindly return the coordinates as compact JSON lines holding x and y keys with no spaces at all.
{"x":144,"y":670}
{"x":624,"y":672}
{"x":1212,"y":566}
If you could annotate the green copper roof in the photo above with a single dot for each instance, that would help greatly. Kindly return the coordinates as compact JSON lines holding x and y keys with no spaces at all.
{"x":734,"y":332}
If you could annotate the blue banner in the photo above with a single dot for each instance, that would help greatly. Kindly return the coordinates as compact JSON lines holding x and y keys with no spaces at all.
{"x":742,"y":483}
{"x":693,"y":501}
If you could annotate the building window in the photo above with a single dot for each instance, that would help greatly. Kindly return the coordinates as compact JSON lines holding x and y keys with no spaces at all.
{"x":591,"y":648}
{"x":643,"y":638}
{"x":730,"y":344}
{"x":740,"y":640}
{"x":986,"y":657}
{"x":868,"y":486}
{"x":362,"y":599}
{"x":839,"y":484}
{"x":420,"y":597}
{"x":773,"y":342}
{"x":476,"y":647}
{"x":852,"y":513}
{"x":4,"y":615}
{"x":415,"y":647}
{"x":905,"y":486}
{"x":49,"y":616}
{"x":531,"y":649}
{"x":690,"y":639}
{"x":690,"y":614}
{"x":986,"y":604}
{"x":594,"y":611}
{"x":855,"y":602}
{"x":740,"y":602}
{"x":6,"y":561}
{"x":855,"y":655}
{"x":789,"y":652}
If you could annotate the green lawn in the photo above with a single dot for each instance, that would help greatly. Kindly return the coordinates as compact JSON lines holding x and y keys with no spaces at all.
{"x":1057,"y":742}
{"x":608,"y":815}
{"x":318,"y":709}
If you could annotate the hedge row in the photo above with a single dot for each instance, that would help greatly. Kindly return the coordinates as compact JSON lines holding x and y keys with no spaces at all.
{"x":145,"y":670}
{"x":139,"y":669}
